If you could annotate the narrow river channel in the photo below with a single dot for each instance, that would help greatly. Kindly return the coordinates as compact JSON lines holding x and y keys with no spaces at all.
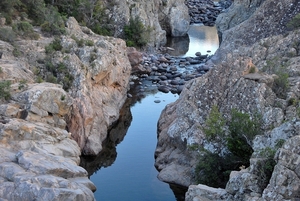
{"x":125,"y":170}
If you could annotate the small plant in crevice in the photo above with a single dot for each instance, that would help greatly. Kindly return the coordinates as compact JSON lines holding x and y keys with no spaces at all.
{"x":265,"y":164}
{"x":53,"y":46}
{"x":22,"y":84}
{"x":294,"y":23}
{"x":281,"y":82}
{"x":242,"y":130}
{"x":5,"y":89}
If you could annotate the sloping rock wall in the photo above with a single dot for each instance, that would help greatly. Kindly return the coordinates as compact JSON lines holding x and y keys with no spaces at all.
{"x":43,"y":128}
{"x":257,"y":41}
{"x":101,"y":82}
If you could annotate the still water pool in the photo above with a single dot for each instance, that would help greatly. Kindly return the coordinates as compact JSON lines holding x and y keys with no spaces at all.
{"x":124,"y":170}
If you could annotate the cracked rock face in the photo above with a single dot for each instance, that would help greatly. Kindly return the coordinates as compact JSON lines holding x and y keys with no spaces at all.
{"x":44,"y":129}
{"x":251,"y":42}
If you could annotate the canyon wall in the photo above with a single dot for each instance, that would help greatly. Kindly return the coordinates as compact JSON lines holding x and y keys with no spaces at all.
{"x":45,"y":127}
{"x":255,"y":42}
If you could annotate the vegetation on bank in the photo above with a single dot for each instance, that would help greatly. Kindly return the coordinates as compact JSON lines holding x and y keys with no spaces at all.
{"x":213,"y":168}
{"x":51,"y":15}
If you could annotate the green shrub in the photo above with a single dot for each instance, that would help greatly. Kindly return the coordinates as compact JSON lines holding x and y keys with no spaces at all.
{"x":214,"y":124}
{"x":135,"y":33}
{"x":7,"y":35}
{"x":51,"y":78}
{"x":242,"y":130}
{"x":16,"y":52}
{"x":39,"y":79}
{"x":89,"y":43}
{"x":22,"y":84}
{"x":53,"y":46}
{"x":281,"y":83}
{"x":5,"y":89}
{"x":295,"y":22}
{"x":208,"y":169}
{"x":252,"y":69}
{"x":25,"y":30}
{"x":214,"y":170}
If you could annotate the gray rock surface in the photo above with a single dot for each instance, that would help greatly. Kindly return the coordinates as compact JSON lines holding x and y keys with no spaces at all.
{"x":250,"y":41}
{"x":43,"y":128}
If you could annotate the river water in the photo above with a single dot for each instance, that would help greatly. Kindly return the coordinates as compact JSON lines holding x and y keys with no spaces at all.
{"x":125,"y":170}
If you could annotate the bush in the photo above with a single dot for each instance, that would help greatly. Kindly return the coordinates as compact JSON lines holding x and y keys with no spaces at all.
{"x":25,"y":30}
{"x":281,"y":83}
{"x":214,"y":124}
{"x":7,"y":35}
{"x":135,"y":33}
{"x":53,"y":46}
{"x":5,"y":89}
{"x":295,"y":22}
{"x":214,"y":170}
{"x":242,"y":131}
{"x":16,"y":52}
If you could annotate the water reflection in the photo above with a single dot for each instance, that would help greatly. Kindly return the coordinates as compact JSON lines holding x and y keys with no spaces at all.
{"x":200,"y":39}
{"x":115,"y":136}
{"x":133,"y":176}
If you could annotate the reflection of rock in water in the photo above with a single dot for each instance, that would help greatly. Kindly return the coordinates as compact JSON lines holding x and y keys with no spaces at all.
{"x":179,"y":191}
{"x":109,"y":152}
{"x":179,"y":44}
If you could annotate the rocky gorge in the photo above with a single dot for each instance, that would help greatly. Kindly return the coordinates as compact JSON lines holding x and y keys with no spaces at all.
{"x":44,"y":127}
{"x":258,"y":43}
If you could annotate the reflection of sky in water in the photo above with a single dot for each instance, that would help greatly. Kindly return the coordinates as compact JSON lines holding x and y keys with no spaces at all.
{"x":201,"y":39}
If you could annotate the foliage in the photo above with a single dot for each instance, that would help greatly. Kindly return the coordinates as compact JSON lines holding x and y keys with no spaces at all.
{"x":25,"y":30}
{"x":281,"y":82}
{"x":89,"y":43}
{"x":54,"y":23}
{"x":58,"y":74}
{"x":5,"y":89}
{"x":16,"y":52}
{"x":213,"y":170}
{"x":53,"y":46}
{"x":252,"y":69}
{"x":135,"y":33}
{"x":214,"y":124}
{"x":265,"y":165}
{"x":7,"y":35}
{"x":242,"y":130}
{"x":294,"y":23}
{"x":22,"y":84}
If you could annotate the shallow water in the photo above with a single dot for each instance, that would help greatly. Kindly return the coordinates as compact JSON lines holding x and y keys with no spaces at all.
{"x":200,"y":38}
